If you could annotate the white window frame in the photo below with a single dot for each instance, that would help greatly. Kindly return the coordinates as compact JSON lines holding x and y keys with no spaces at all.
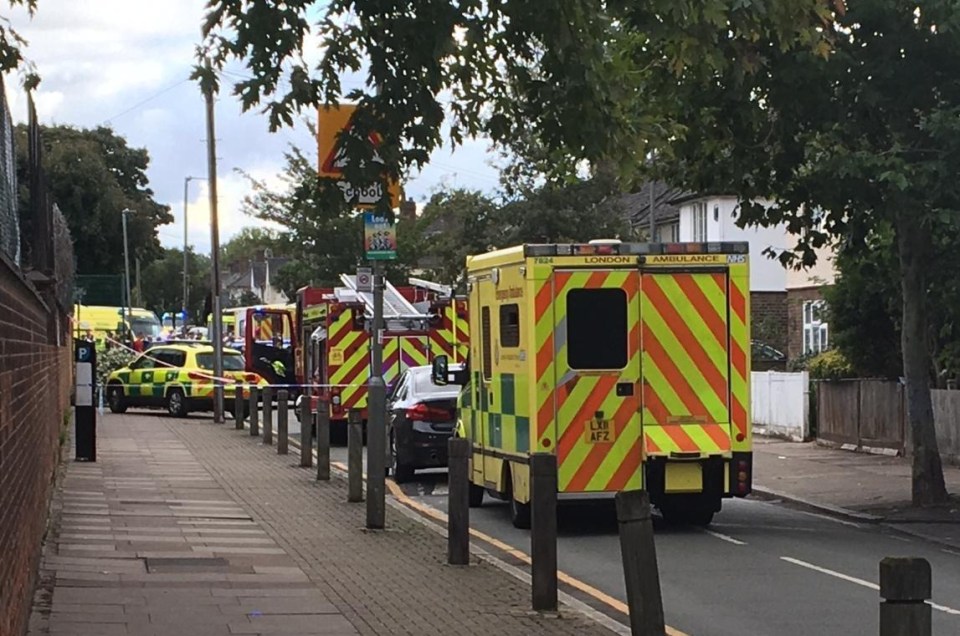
{"x":668,"y":233}
{"x":816,"y":331}
{"x":699,"y":218}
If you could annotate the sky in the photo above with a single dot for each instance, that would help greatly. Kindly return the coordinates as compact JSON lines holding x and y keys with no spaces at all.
{"x":125,"y":64}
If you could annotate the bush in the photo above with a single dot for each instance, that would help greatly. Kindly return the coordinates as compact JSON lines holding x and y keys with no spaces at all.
{"x":830,"y":365}
{"x":110,"y":360}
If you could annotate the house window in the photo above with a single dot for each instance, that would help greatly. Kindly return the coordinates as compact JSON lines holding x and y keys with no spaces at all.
{"x":816,"y":332}
{"x":669,"y":233}
{"x":700,"y":221}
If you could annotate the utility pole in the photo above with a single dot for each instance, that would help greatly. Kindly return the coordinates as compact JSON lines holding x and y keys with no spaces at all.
{"x":653,"y":221}
{"x":186,"y":263}
{"x":139,"y":289}
{"x":214,"y":257}
{"x":376,"y":417}
{"x":126,"y":267}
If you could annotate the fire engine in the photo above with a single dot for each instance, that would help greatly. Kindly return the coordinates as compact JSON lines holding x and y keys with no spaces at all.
{"x":421,"y":320}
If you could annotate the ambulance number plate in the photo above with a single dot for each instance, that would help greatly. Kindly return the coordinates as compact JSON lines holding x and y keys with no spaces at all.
{"x":599,"y":431}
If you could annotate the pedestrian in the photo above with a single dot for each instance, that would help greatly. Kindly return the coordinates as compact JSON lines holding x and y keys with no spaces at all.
{"x":138,"y":343}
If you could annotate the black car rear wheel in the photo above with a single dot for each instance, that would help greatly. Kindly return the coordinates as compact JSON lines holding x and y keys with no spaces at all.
{"x":402,"y":473}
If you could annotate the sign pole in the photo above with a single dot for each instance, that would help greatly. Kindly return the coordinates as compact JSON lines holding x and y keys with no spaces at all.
{"x":376,"y":413}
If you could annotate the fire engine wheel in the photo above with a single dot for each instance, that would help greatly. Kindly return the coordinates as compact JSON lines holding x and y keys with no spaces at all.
{"x":176,"y":403}
{"x":402,"y":473}
{"x":115,"y":399}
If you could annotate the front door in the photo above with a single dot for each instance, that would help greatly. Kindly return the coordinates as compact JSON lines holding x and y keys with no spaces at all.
{"x":597,"y":372}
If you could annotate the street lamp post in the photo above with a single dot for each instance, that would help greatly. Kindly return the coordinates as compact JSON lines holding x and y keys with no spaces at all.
{"x":186,"y":263}
{"x":126,"y":266}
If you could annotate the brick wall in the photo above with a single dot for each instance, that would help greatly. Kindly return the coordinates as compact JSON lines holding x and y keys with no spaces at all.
{"x":35,"y":377}
{"x":768,"y":318}
{"x":795,"y":300}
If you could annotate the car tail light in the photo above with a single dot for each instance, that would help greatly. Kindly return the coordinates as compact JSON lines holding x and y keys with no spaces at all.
{"x":425,"y":413}
{"x":252,"y":377}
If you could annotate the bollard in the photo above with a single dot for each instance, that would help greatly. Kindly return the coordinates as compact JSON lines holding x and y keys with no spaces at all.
{"x":376,"y":452}
{"x":543,"y":530}
{"x":218,"y":403}
{"x":268,"y":415}
{"x":238,"y":406}
{"x":354,"y":456}
{"x":254,"y":410}
{"x":282,"y":422}
{"x":306,"y":433}
{"x":639,"y":556}
{"x":322,"y":418}
{"x":458,"y":501}
{"x":906,"y":584}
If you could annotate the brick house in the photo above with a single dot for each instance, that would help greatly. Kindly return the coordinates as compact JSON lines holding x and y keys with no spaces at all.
{"x":788,"y":313}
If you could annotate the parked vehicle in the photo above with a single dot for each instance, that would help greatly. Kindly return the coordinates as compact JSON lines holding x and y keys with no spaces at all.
{"x":422,"y":417}
{"x":178,"y":378}
{"x":628,"y":361}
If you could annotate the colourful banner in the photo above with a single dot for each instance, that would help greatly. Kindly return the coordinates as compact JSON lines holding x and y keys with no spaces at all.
{"x":379,"y":237}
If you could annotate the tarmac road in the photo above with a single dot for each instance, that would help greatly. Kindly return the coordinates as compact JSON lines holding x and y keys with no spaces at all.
{"x":762,"y":568}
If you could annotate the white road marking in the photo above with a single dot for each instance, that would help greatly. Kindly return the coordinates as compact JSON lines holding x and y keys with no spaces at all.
{"x":726,"y":538}
{"x":861,"y":582}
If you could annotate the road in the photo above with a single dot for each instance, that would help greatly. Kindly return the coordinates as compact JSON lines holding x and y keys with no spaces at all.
{"x":763,"y":568}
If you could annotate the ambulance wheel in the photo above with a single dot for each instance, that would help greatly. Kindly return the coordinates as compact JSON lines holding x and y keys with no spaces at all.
{"x":115,"y":399}
{"x":519,"y":514}
{"x":476,"y":495}
{"x":402,"y":473}
{"x":176,"y":403}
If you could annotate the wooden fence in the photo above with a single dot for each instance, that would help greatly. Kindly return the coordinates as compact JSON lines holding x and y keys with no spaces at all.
{"x":871,"y":415}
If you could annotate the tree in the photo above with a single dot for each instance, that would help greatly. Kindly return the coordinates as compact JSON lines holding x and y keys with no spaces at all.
{"x":554,"y":67}
{"x":866,"y":300}
{"x":250,"y":242}
{"x":861,"y":137}
{"x":247,"y":298}
{"x":162,"y":282}
{"x":454,"y":224}
{"x":93,"y":175}
{"x":12,"y":43}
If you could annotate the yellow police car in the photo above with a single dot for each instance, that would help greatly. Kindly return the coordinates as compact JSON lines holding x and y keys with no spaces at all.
{"x":179,"y":378}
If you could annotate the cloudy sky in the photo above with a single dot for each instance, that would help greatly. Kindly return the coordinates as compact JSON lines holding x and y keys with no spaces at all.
{"x":125,"y":63}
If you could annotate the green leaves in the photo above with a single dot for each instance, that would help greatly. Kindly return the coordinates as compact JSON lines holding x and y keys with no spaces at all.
{"x":93,"y":174}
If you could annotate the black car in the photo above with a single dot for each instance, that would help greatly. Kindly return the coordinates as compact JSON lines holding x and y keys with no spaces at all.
{"x":422,"y":417}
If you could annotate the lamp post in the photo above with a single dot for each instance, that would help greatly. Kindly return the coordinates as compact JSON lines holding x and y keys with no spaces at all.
{"x":126,"y":266}
{"x":186,"y":262}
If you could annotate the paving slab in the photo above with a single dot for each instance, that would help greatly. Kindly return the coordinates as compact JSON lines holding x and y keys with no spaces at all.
{"x":184,"y":527}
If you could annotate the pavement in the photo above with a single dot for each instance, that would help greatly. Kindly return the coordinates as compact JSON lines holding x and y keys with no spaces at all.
{"x":187,"y":528}
{"x":861,"y":486}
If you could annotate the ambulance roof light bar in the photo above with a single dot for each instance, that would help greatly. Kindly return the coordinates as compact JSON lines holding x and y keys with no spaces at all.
{"x":604,"y":247}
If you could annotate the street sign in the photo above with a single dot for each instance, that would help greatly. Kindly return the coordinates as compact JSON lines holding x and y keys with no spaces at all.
{"x":330,"y":122}
{"x":379,"y":237}
{"x":364,"y":279}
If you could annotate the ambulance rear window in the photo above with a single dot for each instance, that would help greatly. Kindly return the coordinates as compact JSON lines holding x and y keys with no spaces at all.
{"x":597,"y":329}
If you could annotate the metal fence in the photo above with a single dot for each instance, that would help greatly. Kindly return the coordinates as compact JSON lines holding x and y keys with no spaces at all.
{"x":96,"y":289}
{"x":9,"y":216}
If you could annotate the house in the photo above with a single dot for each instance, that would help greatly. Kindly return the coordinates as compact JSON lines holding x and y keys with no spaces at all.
{"x":255,"y":278}
{"x":787,"y":307}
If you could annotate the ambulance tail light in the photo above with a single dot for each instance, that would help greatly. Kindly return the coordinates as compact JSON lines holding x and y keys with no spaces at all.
{"x":741,"y":474}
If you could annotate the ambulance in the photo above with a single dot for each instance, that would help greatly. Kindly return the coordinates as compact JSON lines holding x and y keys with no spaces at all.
{"x":627,"y":361}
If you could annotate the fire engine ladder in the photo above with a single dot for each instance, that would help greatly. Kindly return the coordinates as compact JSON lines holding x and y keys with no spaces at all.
{"x":398,"y":313}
